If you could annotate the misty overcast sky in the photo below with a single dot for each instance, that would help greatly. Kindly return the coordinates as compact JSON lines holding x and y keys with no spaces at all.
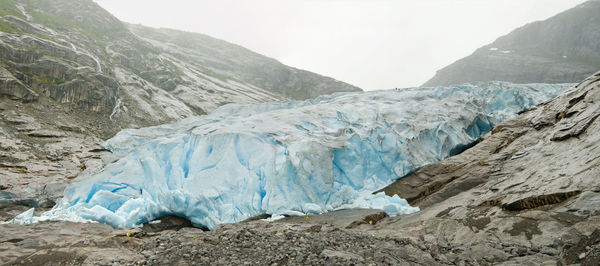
{"x":373,"y":44}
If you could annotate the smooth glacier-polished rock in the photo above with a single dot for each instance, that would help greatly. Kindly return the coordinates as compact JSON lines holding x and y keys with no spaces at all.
{"x":289,"y":158}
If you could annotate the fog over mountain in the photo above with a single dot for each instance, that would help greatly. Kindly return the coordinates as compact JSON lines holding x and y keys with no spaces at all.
{"x":375,"y":44}
{"x":564,"y":48}
{"x":72,"y":75}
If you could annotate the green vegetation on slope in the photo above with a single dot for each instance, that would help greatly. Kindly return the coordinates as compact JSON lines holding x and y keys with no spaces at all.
{"x":9,"y":7}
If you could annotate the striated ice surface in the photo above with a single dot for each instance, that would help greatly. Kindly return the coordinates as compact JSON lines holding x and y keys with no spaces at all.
{"x":289,"y":158}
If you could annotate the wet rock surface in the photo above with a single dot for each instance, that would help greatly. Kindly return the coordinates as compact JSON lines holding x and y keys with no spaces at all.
{"x":518,"y":197}
{"x":38,"y":157}
{"x":522,"y":195}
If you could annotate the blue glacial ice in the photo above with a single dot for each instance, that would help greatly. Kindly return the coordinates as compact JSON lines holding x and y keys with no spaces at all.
{"x":294,"y":158}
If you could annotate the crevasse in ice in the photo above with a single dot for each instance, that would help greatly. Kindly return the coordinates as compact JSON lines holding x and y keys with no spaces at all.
{"x":299,"y":157}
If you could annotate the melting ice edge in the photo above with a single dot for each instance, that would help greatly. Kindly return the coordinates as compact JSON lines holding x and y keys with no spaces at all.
{"x":288,"y":158}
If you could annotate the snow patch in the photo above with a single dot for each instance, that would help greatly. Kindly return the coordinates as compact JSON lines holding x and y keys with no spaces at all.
{"x":116,"y":109}
{"x":25,"y":13}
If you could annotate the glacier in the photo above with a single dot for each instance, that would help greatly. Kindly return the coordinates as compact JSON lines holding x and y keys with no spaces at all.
{"x":288,"y":158}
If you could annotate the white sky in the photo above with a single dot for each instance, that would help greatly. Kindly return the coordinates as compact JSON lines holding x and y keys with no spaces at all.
{"x":373,"y":44}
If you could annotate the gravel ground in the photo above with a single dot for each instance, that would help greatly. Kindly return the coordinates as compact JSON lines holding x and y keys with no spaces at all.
{"x":312,"y":245}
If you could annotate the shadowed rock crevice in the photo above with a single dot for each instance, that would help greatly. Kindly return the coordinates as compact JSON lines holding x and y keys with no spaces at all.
{"x":370,"y":219}
{"x":586,"y":251}
{"x":14,"y":89}
{"x":538,"y":201}
{"x":574,"y":129}
{"x":168,"y":223}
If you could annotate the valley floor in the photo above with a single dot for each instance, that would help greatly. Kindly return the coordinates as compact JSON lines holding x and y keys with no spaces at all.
{"x":346,"y":237}
{"x":527,"y":194}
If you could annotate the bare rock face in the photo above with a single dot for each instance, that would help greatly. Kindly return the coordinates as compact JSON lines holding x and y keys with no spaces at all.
{"x":521,"y":196}
{"x":14,"y":89}
{"x":75,"y":56}
{"x":528,"y":192}
{"x":38,"y":158}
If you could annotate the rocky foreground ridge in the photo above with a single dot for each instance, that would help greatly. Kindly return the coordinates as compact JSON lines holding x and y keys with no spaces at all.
{"x":527,"y":194}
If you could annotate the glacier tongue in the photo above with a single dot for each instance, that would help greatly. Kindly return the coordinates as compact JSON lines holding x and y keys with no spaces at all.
{"x":292,"y":158}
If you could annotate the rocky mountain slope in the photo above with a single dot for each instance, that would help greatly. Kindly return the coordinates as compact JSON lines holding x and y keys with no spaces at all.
{"x":72,"y":75}
{"x":526,"y":194}
{"x":77,"y":55}
{"x":563,"y":48}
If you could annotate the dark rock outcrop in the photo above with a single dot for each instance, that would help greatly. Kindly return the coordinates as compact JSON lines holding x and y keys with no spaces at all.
{"x":14,"y":89}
